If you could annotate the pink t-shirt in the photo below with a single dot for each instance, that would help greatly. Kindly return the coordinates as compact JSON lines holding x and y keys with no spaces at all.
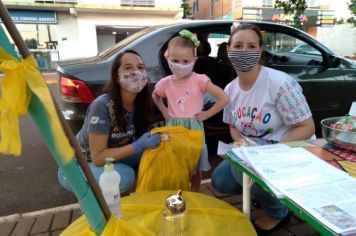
{"x":186,"y":99}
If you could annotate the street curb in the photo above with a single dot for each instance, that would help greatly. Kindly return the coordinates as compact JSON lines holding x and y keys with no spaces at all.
{"x":34,"y":214}
{"x":20,"y":216}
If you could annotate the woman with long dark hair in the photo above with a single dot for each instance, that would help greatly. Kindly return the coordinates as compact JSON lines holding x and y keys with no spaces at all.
{"x":117,"y":122}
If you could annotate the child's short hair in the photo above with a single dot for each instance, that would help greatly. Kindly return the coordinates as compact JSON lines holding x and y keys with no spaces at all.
{"x":181,"y":42}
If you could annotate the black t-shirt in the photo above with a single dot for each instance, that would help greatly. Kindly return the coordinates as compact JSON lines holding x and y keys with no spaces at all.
{"x":100,"y":119}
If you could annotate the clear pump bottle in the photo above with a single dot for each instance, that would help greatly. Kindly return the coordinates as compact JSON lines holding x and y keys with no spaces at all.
{"x":109,"y":182}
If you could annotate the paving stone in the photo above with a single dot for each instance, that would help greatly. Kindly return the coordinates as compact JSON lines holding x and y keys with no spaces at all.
{"x":7,"y":227}
{"x":302,"y":229}
{"x":233,"y":199}
{"x":61,"y":220}
{"x":76,"y":214}
{"x":23,"y":227}
{"x":238,"y":206}
{"x":42,"y":224}
{"x":216,"y":193}
{"x":43,"y":234}
{"x":205,"y":190}
{"x":56,"y":233}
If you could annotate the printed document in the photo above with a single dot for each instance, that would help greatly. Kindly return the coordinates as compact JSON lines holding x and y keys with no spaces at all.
{"x":327,"y":193}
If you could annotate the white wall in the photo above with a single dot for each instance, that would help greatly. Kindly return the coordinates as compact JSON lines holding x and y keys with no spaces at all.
{"x":67,"y":35}
{"x":251,"y":3}
{"x":168,"y":3}
{"x":88,"y":45}
{"x":339,"y":38}
{"x":158,"y":3}
{"x":80,"y":32}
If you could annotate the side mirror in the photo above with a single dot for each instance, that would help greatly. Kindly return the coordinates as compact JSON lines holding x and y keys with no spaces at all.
{"x":334,"y":61}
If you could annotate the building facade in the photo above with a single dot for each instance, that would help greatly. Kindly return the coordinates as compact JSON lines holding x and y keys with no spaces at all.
{"x":65,"y":29}
{"x":318,"y":13}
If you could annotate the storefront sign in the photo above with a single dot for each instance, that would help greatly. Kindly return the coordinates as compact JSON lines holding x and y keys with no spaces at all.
{"x":33,"y":17}
{"x":311,"y":17}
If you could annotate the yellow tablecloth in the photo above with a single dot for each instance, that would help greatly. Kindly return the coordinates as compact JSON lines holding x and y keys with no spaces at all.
{"x":142,"y":215}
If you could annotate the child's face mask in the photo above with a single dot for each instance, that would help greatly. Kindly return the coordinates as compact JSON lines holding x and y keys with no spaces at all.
{"x":181,"y":70}
{"x":133,"y":81}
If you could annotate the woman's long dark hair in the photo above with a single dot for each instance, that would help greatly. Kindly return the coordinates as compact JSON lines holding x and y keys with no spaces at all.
{"x":143,"y":101}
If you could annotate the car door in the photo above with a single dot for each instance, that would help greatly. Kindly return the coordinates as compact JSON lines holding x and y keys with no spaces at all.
{"x":349,"y":69}
{"x":323,"y":85}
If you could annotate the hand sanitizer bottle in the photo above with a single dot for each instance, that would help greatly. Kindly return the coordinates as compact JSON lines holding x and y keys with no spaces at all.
{"x":109,"y":182}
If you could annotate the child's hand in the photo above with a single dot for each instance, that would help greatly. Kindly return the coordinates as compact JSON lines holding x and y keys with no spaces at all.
{"x":201,"y":116}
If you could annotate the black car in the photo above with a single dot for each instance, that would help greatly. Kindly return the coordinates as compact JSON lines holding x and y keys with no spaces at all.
{"x":328,"y":80}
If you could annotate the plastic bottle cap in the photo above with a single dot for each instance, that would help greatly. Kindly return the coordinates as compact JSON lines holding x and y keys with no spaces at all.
{"x":109,"y":166}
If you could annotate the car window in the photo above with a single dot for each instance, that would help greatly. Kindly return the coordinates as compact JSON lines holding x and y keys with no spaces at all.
{"x":297,"y":51}
{"x":108,"y":52}
{"x":215,"y":39}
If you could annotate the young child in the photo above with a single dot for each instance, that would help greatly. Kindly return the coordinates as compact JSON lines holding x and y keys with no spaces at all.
{"x":185,"y":90}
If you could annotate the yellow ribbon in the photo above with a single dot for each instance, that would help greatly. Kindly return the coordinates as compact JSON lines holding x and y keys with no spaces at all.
{"x":20,"y":78}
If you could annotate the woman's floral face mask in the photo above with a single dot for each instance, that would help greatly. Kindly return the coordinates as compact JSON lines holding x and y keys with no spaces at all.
{"x":133,"y":81}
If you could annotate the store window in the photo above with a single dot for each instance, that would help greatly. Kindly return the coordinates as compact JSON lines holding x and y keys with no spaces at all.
{"x":195,"y":6}
{"x":268,"y":3}
{"x":140,"y":3}
{"x":38,"y":30}
{"x":41,"y":39}
{"x":313,"y":3}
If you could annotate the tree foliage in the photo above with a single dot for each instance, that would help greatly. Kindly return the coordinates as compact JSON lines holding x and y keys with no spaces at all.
{"x":293,"y":7}
{"x":352,"y":7}
{"x":187,"y":13}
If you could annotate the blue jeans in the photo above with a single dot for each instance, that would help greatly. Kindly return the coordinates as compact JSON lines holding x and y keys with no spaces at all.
{"x":228,"y":179}
{"x":126,"y":168}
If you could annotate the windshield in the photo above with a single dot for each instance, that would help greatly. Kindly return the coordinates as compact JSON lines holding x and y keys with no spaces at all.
{"x":127,"y":40}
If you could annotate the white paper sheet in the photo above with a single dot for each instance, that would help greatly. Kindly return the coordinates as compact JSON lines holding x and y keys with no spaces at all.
{"x":329,"y":194}
{"x":223,"y":148}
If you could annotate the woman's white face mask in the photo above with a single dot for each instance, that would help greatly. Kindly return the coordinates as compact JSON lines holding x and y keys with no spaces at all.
{"x":180,"y":70}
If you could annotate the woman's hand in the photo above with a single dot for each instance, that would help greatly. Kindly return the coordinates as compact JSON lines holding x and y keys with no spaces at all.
{"x":146,"y":141}
{"x":240,"y":143}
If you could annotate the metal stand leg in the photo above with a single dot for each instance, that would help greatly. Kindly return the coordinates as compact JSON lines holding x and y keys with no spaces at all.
{"x":246,"y":195}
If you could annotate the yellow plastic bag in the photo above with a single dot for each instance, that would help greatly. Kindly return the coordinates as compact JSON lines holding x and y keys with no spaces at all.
{"x":171,"y":165}
{"x":115,"y":226}
{"x":142,"y":215}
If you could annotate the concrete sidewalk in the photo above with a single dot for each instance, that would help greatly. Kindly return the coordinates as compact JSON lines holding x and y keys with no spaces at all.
{"x":51,"y":222}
